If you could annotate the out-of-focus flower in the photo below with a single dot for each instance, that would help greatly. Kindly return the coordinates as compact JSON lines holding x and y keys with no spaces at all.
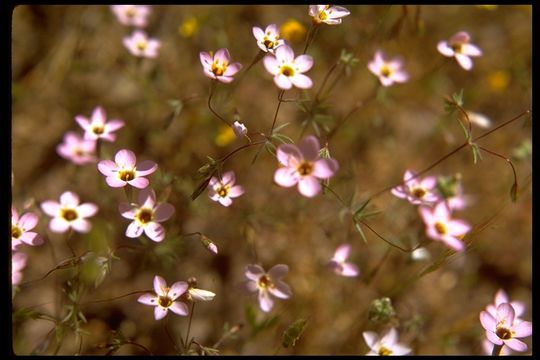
{"x":166,"y":298}
{"x":458,"y":46}
{"x":502,"y":297}
{"x":98,"y":127}
{"x":303,"y":165}
{"x":268,"y":283}
{"x":267,"y":40}
{"x":224,"y":190}
{"x":20,"y":227}
{"x":502,"y":329}
{"x":479,"y":119}
{"x":18,"y":263}
{"x":327,"y":14}
{"x":287,"y":69}
{"x":420,"y":254}
{"x":451,"y":190}
{"x":386,"y":344}
{"x":135,"y":15}
{"x":69,"y":213}
{"x":498,"y":80}
{"x":140,"y":45}
{"x":124,"y":171}
{"x":146,"y":216}
{"x":338,"y":262}
{"x":240,"y":130}
{"x":388,"y":72}
{"x":218,"y":66}
{"x":76,"y":149}
{"x":188,"y":27}
{"x":225,"y":135}
{"x":417,"y":191}
{"x":441,"y":227}
{"x":292,"y":30}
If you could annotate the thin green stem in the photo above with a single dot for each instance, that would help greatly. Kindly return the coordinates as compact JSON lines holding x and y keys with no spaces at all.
{"x":116,"y":297}
{"x":171,"y":338}
{"x":212,"y":88}
{"x":277,"y":111}
{"x":187,"y":342}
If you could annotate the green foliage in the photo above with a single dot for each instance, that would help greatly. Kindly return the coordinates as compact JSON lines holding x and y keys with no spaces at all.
{"x":381,"y":310}
{"x":293,"y":333}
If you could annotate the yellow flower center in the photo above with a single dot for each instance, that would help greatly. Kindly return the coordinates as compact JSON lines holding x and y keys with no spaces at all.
{"x":141,"y":45}
{"x":441,"y":228}
{"x":145,"y":216}
{"x":385,"y":71}
{"x":418,"y":192}
{"x":456,"y":47}
{"x":286,"y":70}
{"x":265,"y":282}
{"x":126,"y":175}
{"x":98,"y":129}
{"x":384,"y":351}
{"x":16,"y":232}
{"x":165,"y":301}
{"x":268,"y":43}
{"x":223,"y":190}
{"x":305,"y":168}
{"x":68,"y":214}
{"x":218,"y":69}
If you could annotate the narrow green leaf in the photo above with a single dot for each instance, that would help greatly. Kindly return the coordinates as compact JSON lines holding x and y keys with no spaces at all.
{"x":359,"y":229}
{"x":293,"y":333}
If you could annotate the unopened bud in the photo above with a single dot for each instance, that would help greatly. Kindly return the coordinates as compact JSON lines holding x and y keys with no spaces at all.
{"x":209,"y":244}
{"x":381,"y":310}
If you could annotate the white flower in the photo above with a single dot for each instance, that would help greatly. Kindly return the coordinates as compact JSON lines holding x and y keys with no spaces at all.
{"x":68,"y":213}
{"x":327,"y":14}
{"x":458,"y":46}
{"x":287,"y":69}
{"x":166,"y":298}
{"x":385,"y":345}
{"x":267,"y":40}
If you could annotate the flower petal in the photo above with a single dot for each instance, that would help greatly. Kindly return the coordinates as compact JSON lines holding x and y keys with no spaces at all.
{"x":303,"y":63}
{"x":134,"y":230}
{"x":325,"y":168}
{"x":114,"y":125}
{"x":28,"y":221}
{"x":458,"y":227}
{"x":523,"y":329}
{"x":370,"y":337}
{"x":271,"y":64}
{"x":265,"y":302}
{"x":232,"y":69}
{"x":155,"y":231}
{"x":280,"y":290}
{"x":127,"y":211}
{"x":159,"y":312}
{"x":125,"y":159}
{"x":301,"y":81}
{"x":87,"y":209}
{"x":139,"y":182}
{"x":236,"y":191}
{"x":464,"y":61}
{"x":309,"y":186}
{"x":350,"y":270}
{"x":59,"y":225}
{"x":228,"y":178}
{"x":506,"y":312}
{"x":445,"y":49}
{"x":282,"y":81}
{"x":69,"y":199}
{"x":390,"y":338}
{"x":225,"y":201}
{"x":516,"y":345}
{"x":342,"y":253}
{"x":278,"y":271}
{"x":453,"y":242}
{"x":310,"y":148}
{"x":205,"y":58}
{"x":107,"y":167}
{"x":163,"y":212}
{"x":488,"y":321}
{"x":177,"y":289}
{"x":148,"y":299}
{"x":160,"y":286}
{"x":31,"y":238}
{"x":289,"y":154}
{"x":81,"y":225}
{"x":285,"y":54}
{"x":179,"y":308}
{"x":471,"y":50}
{"x":222,"y":55}
{"x":115,"y":182}
{"x":146,"y":167}
{"x":254,"y":272}
{"x":286,"y":177}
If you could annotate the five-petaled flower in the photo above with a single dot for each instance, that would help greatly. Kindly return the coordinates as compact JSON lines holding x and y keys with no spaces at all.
{"x":458,"y":46}
{"x":124,"y":171}
{"x":69,"y":213}
{"x":268,"y":40}
{"x":503,"y":329}
{"x":441,"y":227}
{"x":224,"y":190}
{"x":135,"y":15}
{"x":287,"y":69}
{"x":76,"y":149}
{"x":388,"y":72}
{"x":140,"y":45}
{"x":338,"y":262}
{"x":303,"y":165}
{"x":166,"y":298}
{"x":502,"y":297}
{"x":386,"y":344}
{"x":327,"y":14}
{"x":417,"y":191}
{"x":98,"y":127}
{"x":218,"y":66}
{"x":20,"y":227}
{"x":18,"y":263}
{"x":146,"y":216}
{"x":267,"y":283}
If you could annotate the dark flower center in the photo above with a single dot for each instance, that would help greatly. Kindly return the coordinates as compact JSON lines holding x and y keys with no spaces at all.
{"x":269,"y":44}
{"x":223,"y":191}
{"x":305,"y":168}
{"x":69,"y":214}
{"x":440,"y":228}
{"x":16,"y":232}
{"x":287,"y":70}
{"x":264,"y":282}
{"x":503,"y":333}
{"x":456,"y":47}
{"x":385,"y":71}
{"x":126,"y":175}
{"x":165,"y":301}
{"x":98,"y":129}
{"x":145,"y":216}
{"x":418,"y":192}
{"x":218,"y":69}
{"x":384,"y":351}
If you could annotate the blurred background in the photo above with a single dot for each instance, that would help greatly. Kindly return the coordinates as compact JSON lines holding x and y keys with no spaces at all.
{"x":66,"y":60}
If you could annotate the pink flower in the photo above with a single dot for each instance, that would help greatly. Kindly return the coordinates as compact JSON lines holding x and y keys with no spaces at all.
{"x":240,"y":130}
{"x":76,"y":149}
{"x":147,"y":216}
{"x":140,"y":45}
{"x":218,"y":66}
{"x":500,"y":298}
{"x":20,"y":229}
{"x":98,"y":127}
{"x":268,"y":40}
{"x":303,"y":165}
{"x":339,"y":264}
{"x":327,"y":14}
{"x":386,"y":344}
{"x":135,"y":15}
{"x":123,"y":170}
{"x":416,"y":191}
{"x":287,"y":69}
{"x":459,"y":47}
{"x":441,"y":227}
{"x":18,"y":263}
{"x":388,"y":72}
{"x":487,"y":347}
{"x":267,"y":283}
{"x":502,"y":329}
{"x":223,"y":191}
{"x":165,"y":299}
{"x":68,"y":213}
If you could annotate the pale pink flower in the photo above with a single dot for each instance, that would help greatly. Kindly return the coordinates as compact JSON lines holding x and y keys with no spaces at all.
{"x":18,"y":263}
{"x":146,"y":216}
{"x":502,"y":329}
{"x":135,"y":15}
{"x":224,"y":190}
{"x":124,"y":170}
{"x":218,"y":66}
{"x":458,"y":46}
{"x":20,"y":227}
{"x":386,"y":344}
{"x":76,"y":149}
{"x":267,"y":283}
{"x":388,"y":72}
{"x":98,"y":127}
{"x":339,"y":264}
{"x":68,"y":213}
{"x":417,"y":191}
{"x":303,"y":165}
{"x":166,"y":298}
{"x":240,"y":130}
{"x":441,"y":227}
{"x":287,"y":69}
{"x":327,"y":14}
{"x":267,"y":40}
{"x":502,"y":297}
{"x":140,"y":45}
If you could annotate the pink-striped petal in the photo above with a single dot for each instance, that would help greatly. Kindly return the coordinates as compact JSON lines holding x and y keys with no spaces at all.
{"x":134,"y":230}
{"x":155,"y":231}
